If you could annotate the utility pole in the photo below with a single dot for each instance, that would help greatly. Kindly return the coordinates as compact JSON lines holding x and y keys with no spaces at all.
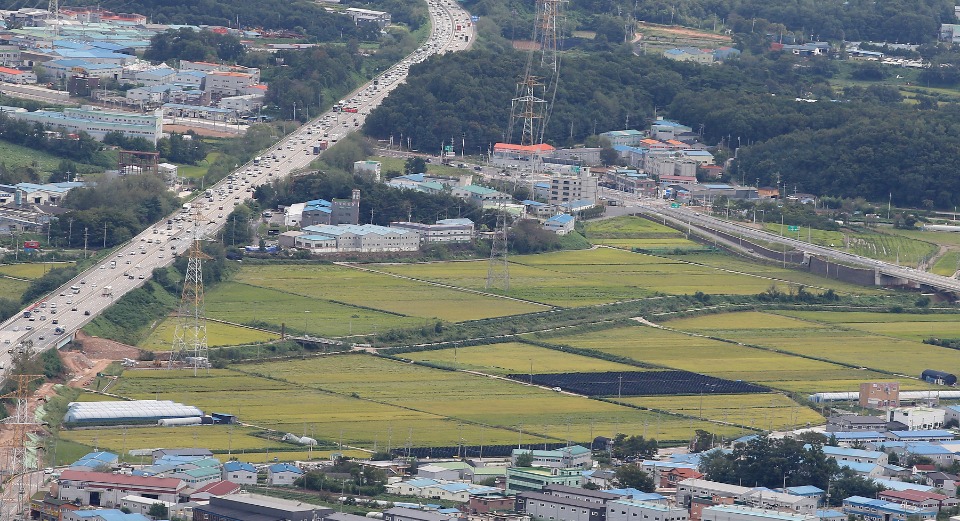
{"x":70,"y":233}
{"x":86,"y":235}
{"x":104,"y":234}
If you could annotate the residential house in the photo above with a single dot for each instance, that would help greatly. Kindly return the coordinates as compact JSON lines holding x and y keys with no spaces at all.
{"x":603,"y":479}
{"x":240,"y":473}
{"x":280,"y":474}
{"x":943,"y":481}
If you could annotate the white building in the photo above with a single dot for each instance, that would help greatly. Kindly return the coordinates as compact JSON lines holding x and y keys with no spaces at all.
{"x":742,"y":513}
{"x":222,"y":83}
{"x":98,"y":122}
{"x":155,"y":76}
{"x":243,"y":104}
{"x":630,"y":137}
{"x":368,"y":16}
{"x":9,"y":75}
{"x":575,"y":456}
{"x":281,"y":474}
{"x":363,"y":238}
{"x":917,"y":418}
{"x":141,"y":505}
{"x":560,"y":224}
{"x":577,"y":187}
{"x":446,"y":230}
{"x":630,"y":510}
{"x":240,"y":473}
{"x":108,"y":489}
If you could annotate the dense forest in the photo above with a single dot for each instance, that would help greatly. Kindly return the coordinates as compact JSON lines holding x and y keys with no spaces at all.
{"x":903,"y":21}
{"x":866,"y":143}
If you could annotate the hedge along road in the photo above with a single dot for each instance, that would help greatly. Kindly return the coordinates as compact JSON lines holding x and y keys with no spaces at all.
{"x":94,"y":290}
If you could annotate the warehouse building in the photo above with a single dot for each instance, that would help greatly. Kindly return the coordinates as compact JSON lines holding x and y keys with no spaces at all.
{"x":97,"y":122}
{"x":107,"y":489}
{"x":445,"y":230}
{"x":256,"y":507}
{"x":362,"y":238}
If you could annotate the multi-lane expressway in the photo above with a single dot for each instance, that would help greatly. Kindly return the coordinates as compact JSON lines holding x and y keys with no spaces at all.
{"x":80,"y":300}
{"x":688,"y":216}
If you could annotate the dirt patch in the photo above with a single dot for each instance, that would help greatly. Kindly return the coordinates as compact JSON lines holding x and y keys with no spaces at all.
{"x":96,"y":348}
{"x":685,"y":31}
{"x":526,"y":45}
{"x":200,"y":131}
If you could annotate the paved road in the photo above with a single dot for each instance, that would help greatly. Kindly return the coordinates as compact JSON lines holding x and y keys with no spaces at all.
{"x":79,"y":301}
{"x":687,"y":215}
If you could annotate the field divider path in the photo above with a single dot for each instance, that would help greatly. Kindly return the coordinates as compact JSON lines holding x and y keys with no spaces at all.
{"x":442,"y":285}
{"x":394,"y":405}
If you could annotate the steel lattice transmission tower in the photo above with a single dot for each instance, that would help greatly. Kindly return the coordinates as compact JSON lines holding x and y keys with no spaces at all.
{"x":20,"y":422}
{"x":54,"y":8}
{"x":528,"y":109}
{"x":190,"y":335}
{"x":549,"y":33}
{"x":498,"y":271}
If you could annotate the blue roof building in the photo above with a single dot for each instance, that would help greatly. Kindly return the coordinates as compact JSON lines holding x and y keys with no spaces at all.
{"x":884,"y":510}
{"x":560,"y":224}
{"x":236,"y":466}
{"x":93,"y":460}
{"x":925,"y":435}
{"x":106,"y":515}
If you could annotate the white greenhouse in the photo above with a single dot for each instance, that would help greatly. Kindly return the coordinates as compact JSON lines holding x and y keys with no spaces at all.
{"x":134,"y":410}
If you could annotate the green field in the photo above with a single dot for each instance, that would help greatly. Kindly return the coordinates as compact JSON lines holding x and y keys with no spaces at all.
{"x":635,"y":232}
{"x":837,"y":342}
{"x":676,"y":350}
{"x":356,"y":287}
{"x":763,"y":411}
{"x":218,"y":334}
{"x":899,"y":325}
{"x":374,"y":402}
{"x":587,"y":277}
{"x":948,"y":264}
{"x":200,"y":169}
{"x":12,"y":288}
{"x":514,"y":358}
{"x":33,"y":270}
{"x":876,"y":245}
{"x":14,"y":156}
{"x":245,"y":304}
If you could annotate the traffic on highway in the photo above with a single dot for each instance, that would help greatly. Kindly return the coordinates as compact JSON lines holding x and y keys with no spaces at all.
{"x":52,"y":320}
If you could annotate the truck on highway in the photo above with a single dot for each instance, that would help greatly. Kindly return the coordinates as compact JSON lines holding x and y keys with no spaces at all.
{"x":107,"y":291}
{"x":257,"y":160}
{"x":319,"y":147}
{"x":186,"y":207}
{"x":27,"y":314}
{"x":113,"y":264}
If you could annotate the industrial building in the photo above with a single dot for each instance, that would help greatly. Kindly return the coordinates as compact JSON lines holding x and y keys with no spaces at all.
{"x":107,"y":489}
{"x":743,"y":513}
{"x":631,"y":510}
{"x":97,"y":122}
{"x":128,"y":411}
{"x":256,"y":507}
{"x":581,"y":186}
{"x":445,"y":230}
{"x":362,"y":238}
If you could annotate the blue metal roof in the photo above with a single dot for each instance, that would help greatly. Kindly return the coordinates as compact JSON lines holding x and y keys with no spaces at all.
{"x":233,"y":466}
{"x":933,"y":433}
{"x":851,"y":453}
{"x":863,"y":435}
{"x":284,"y":467}
{"x":422,"y":482}
{"x":927,"y":449}
{"x":804,"y":490}
{"x":562,"y":218}
{"x":865,"y":468}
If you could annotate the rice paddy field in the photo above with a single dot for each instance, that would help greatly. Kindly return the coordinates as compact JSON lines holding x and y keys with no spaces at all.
{"x":636,"y":232}
{"x":404,"y":297}
{"x":515,"y":357}
{"x":697,"y":353}
{"x":589,"y":277}
{"x":948,"y":264}
{"x":218,"y":334}
{"x":763,"y":411}
{"x":836,"y":342}
{"x":372,"y":403}
{"x":244,"y":303}
{"x":906,"y":326}
{"x":12,"y":288}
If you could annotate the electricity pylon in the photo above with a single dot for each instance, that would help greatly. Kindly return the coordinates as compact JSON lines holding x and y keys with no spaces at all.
{"x":20,"y":422}
{"x":498,"y":271}
{"x":190,"y":335}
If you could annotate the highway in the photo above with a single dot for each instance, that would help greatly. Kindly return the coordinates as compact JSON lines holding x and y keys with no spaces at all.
{"x":80,"y":300}
{"x":689,"y":216}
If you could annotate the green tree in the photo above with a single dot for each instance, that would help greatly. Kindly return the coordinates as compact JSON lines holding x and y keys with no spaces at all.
{"x":415,"y":165}
{"x":633,"y":476}
{"x":525,"y":459}
{"x":158,"y":511}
